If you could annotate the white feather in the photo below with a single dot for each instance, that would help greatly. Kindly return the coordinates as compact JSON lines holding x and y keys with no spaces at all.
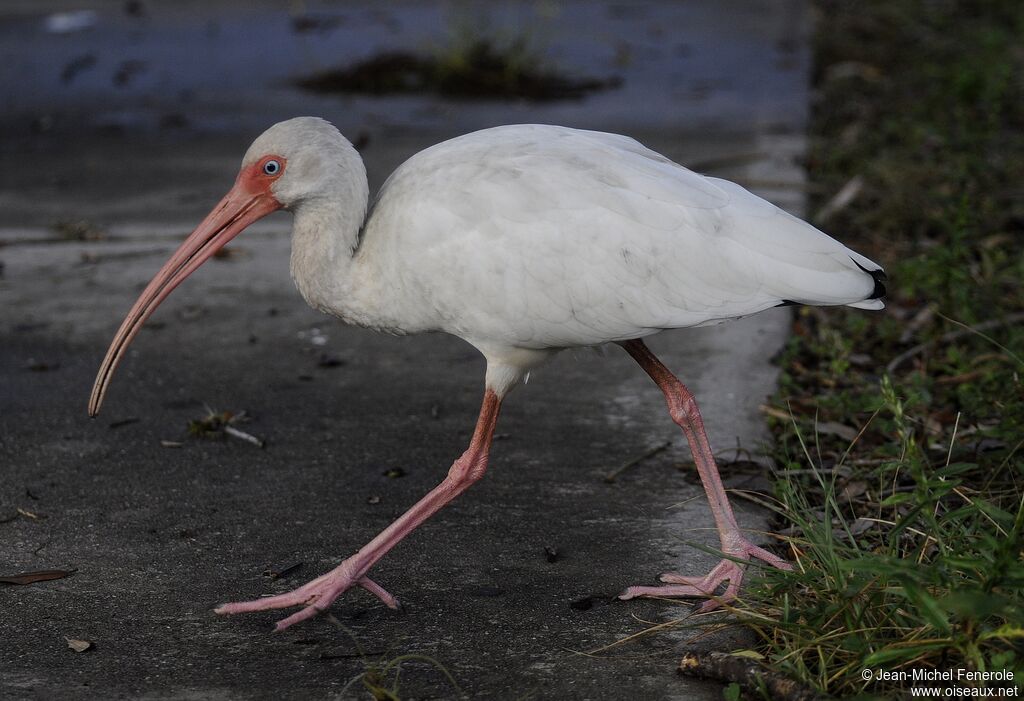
{"x":528,"y":239}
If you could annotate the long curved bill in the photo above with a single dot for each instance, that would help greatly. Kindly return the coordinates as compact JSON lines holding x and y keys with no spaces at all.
{"x":239,"y":208}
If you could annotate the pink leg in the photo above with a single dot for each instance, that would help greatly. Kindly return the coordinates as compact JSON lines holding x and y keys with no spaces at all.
{"x":682,"y":406}
{"x":318,"y":594}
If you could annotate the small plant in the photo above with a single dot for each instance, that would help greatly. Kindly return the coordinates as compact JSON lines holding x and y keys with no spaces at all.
{"x":475,"y":62}
{"x":382,"y":676}
{"x":900,"y":436}
{"x":218,"y":424}
{"x":919,"y":572}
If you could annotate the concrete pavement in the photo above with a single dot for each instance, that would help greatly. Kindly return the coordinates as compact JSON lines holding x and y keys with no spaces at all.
{"x":508,"y":589}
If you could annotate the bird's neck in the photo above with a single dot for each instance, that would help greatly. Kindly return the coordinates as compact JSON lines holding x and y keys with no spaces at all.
{"x":325,"y":236}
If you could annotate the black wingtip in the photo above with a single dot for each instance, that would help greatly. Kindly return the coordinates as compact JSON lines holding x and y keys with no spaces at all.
{"x":787,"y":303}
{"x":878,"y":276}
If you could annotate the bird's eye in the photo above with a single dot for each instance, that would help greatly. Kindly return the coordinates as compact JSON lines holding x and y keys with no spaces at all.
{"x":271,"y":168}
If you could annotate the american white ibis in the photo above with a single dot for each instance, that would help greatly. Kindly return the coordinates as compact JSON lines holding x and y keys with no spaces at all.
{"x":522,"y":240}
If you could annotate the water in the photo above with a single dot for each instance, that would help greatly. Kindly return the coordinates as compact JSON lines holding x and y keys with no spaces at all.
{"x":217,"y":66}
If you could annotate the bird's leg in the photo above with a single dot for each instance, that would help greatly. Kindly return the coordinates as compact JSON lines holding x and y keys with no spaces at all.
{"x":318,"y":594}
{"x":682,"y":407}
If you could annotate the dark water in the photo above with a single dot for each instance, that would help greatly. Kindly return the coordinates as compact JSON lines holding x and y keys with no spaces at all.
{"x":227,"y":65}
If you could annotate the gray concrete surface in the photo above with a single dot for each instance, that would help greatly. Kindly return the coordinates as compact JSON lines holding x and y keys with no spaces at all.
{"x":159,"y":535}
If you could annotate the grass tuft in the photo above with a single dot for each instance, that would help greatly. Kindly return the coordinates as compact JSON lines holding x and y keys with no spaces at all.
{"x":474,"y":62}
{"x":899,"y":434}
{"x":921,"y":571}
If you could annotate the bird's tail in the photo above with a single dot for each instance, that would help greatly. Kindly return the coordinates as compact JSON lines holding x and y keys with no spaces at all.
{"x":874,"y":300}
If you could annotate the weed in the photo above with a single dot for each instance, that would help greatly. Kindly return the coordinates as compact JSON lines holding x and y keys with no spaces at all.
{"x":908,"y":538}
{"x":474,"y":62}
{"x":382,"y":676}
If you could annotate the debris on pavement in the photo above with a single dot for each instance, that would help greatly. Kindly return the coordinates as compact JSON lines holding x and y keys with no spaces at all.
{"x":219,"y":424}
{"x":281,"y":571}
{"x":78,"y":230}
{"x":314,"y":336}
{"x":40,"y":365}
{"x":327,"y":360}
{"x":242,"y":435}
{"x":31,"y":514}
{"x":24,"y":578}
{"x":79,"y":645}
{"x":610,"y":477}
{"x":747,"y":672}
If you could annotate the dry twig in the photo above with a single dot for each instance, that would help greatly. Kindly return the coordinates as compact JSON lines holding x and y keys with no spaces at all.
{"x":610,"y":477}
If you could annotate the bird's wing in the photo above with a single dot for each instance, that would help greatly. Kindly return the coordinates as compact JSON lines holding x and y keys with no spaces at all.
{"x":546,"y":236}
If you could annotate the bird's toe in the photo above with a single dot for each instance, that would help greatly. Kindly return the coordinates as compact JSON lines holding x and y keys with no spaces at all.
{"x":377,"y":590}
{"x":301,"y":615}
{"x":768,"y":557}
{"x":663,"y":591}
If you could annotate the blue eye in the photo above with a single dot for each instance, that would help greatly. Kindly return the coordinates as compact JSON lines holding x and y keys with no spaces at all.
{"x":271,"y":168}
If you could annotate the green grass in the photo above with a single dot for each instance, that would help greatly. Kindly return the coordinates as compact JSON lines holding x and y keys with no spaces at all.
{"x":908,"y":538}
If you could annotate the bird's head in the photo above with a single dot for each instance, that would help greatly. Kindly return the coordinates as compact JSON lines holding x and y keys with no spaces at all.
{"x":295,"y":161}
{"x":289,"y":164}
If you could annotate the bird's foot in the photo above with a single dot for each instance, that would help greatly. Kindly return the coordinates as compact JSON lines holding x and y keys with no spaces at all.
{"x":728,"y":570}
{"x":314,"y":596}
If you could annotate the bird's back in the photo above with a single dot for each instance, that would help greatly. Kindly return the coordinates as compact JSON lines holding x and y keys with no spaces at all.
{"x":538,"y":236}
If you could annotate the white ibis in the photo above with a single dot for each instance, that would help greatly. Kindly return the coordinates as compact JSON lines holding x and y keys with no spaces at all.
{"x":523,"y":240}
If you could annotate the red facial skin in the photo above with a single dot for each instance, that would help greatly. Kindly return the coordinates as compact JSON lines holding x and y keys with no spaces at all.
{"x":248,"y":200}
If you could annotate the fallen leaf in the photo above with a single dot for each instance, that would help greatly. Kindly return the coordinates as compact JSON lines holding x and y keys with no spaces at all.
{"x":79,"y":645}
{"x":33,"y":577}
{"x":847,"y":433}
{"x":775,"y":413}
{"x":852,"y":490}
{"x":861,"y":526}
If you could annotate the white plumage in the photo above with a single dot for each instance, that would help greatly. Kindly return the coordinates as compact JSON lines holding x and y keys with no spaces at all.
{"x":522,"y":240}
{"x":536,"y":238}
